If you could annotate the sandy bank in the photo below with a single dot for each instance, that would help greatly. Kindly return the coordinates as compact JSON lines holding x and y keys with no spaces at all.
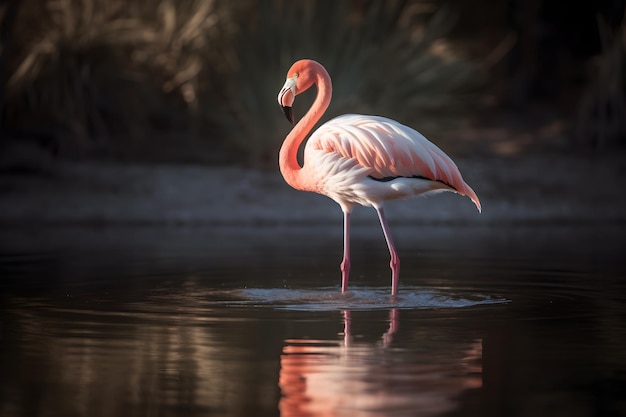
{"x":546,"y":188}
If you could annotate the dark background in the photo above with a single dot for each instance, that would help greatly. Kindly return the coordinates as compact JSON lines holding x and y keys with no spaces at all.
{"x":157,"y":80}
{"x":165,"y":112}
{"x":119,"y":114}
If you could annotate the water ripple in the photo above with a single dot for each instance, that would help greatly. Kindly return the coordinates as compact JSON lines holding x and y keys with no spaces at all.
{"x":361,"y":298}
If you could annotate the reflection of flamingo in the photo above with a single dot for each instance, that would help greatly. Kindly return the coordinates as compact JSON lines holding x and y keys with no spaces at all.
{"x":387,"y":337}
{"x":357,"y":378}
{"x":357,"y":159}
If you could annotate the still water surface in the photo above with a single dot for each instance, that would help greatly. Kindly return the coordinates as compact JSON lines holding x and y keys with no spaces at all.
{"x":228,"y":321}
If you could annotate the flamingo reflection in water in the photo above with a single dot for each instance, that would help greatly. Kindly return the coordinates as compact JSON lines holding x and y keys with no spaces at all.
{"x":356,"y":378}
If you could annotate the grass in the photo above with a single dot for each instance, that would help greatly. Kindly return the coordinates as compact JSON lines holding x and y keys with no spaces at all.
{"x":601,"y":123}
{"x":110,"y":77}
{"x":382,"y":59}
{"x":101,"y":74}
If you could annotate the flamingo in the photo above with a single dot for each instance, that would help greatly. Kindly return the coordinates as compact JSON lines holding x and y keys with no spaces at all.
{"x":360,"y":160}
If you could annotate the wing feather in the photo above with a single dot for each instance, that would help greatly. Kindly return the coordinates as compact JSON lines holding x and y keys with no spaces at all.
{"x":386,"y":146}
{"x":388,"y":149}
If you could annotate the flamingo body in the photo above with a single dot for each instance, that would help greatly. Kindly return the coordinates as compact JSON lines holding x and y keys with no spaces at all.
{"x":366,"y":160}
{"x":360,"y":160}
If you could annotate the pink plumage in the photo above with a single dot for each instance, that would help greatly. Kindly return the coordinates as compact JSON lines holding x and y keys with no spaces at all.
{"x":360,"y":160}
{"x":390,"y":150}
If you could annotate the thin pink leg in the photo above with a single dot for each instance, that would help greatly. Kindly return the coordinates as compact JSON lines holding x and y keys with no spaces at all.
{"x":345,"y":264}
{"x":395,"y":260}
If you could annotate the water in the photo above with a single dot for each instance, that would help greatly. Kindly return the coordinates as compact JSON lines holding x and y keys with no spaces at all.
{"x":228,"y":321}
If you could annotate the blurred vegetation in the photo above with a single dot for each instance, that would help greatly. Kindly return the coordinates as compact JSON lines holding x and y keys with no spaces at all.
{"x":104,"y":77}
{"x":602,"y":109}
{"x":384,"y":58}
{"x":197,"y":79}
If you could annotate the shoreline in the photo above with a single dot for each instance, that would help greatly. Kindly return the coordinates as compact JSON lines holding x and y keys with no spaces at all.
{"x":534,"y":189}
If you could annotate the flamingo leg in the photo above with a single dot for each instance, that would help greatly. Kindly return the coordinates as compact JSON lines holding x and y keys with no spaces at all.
{"x":345,"y":264}
{"x":395,"y":260}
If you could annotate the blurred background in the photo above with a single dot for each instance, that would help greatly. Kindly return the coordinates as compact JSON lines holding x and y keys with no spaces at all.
{"x":195,"y":82}
{"x":119,"y":114}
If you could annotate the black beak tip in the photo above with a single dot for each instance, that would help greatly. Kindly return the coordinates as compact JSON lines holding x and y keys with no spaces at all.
{"x":288,"y":113}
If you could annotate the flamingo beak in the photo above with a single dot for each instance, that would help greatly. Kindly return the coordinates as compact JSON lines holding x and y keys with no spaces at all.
{"x":288,"y":113}
{"x":286,"y":97}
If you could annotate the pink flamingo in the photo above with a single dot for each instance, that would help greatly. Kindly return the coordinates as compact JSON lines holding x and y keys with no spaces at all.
{"x":359,"y":159}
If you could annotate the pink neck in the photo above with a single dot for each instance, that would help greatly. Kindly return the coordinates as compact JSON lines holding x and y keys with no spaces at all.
{"x":288,"y":161}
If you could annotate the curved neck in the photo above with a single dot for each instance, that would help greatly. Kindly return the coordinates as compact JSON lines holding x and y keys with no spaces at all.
{"x":288,"y":161}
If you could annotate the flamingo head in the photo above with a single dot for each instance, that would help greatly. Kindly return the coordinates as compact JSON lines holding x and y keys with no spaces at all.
{"x":300,"y":77}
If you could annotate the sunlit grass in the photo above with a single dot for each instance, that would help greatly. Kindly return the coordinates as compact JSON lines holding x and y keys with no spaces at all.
{"x":99,"y":72}
{"x":107,"y":76}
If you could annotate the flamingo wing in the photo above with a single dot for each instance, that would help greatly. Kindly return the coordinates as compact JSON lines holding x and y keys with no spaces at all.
{"x":389,"y":149}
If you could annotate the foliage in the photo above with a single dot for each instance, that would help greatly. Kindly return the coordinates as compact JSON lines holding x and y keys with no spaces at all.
{"x":97,"y":71}
{"x":601,"y":121}
{"x":384,"y":58}
{"x":106,"y":76}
